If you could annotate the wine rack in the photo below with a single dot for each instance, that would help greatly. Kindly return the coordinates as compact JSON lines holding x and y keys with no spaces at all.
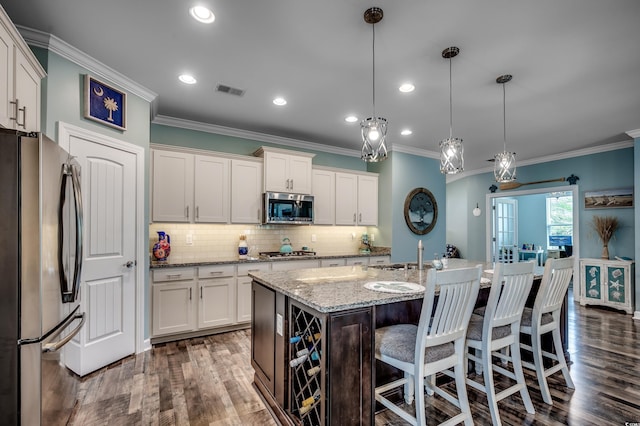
{"x":307,"y":369}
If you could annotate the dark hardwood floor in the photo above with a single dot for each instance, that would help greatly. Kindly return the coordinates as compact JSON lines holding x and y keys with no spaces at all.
{"x":208,"y":381}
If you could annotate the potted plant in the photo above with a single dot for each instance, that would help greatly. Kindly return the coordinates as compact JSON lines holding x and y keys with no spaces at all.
{"x":605,"y":227}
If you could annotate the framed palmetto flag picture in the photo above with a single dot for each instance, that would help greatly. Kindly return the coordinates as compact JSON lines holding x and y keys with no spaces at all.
{"x":104,"y":104}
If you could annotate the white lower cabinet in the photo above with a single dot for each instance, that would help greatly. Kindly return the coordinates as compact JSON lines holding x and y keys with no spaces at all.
{"x":173,"y":309}
{"x":608,"y":283}
{"x":217,"y":298}
{"x":379,"y":260}
{"x":331,"y":263}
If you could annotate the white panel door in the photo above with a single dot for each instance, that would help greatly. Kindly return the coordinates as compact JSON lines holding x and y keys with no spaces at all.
{"x":108,"y":181}
{"x":217,"y":302}
{"x":28,"y":94}
{"x":6,"y":79}
{"x":300,"y":174}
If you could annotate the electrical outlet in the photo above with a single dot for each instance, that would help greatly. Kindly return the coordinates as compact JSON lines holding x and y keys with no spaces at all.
{"x":313,"y":238}
{"x":189,"y":239}
{"x":373,"y":237}
{"x":353,"y":235}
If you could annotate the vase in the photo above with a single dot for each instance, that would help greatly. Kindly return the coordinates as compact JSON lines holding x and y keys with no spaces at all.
{"x":162,"y":248}
{"x":605,"y":252}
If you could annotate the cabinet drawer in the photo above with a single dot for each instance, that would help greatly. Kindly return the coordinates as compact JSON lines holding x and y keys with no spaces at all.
{"x":358,"y":261}
{"x":245,"y":269}
{"x":378,"y":260}
{"x":173,"y":274}
{"x":331,"y":263}
{"x":294,"y":264}
{"x":216,"y":271}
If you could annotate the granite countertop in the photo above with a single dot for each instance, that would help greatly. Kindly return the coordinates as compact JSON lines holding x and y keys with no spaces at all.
{"x":177,"y":262}
{"x":342,"y":288}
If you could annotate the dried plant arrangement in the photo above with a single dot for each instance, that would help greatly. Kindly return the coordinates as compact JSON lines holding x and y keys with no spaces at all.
{"x":605,"y":227}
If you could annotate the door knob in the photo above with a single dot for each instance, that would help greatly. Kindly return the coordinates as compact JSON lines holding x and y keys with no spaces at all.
{"x":129,"y":264}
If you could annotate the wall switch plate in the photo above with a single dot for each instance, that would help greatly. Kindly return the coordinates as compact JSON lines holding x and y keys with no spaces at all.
{"x":353,"y":235}
{"x":189,"y":239}
{"x":373,"y":237}
{"x":313,"y":238}
{"x":279,"y":324}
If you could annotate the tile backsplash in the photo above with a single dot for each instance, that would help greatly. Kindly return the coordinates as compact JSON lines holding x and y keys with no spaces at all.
{"x":219,"y":241}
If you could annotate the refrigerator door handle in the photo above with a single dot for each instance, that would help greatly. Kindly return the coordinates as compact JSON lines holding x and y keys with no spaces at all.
{"x":55,"y":346}
{"x":70,"y":294}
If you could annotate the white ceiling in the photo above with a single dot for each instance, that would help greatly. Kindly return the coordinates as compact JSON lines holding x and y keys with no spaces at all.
{"x":575,"y":67}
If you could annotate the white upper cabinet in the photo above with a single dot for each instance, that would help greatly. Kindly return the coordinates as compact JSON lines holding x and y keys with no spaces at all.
{"x":20,"y":75}
{"x":356,"y":199}
{"x":346,"y":199}
{"x":367,"y":200}
{"x":212,"y":189}
{"x":172,"y":186}
{"x":324,"y":197}
{"x":246,"y":191}
{"x":286,"y":171}
{"x":190,"y":188}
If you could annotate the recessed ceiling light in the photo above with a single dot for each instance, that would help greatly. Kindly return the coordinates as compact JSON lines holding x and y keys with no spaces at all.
{"x":407,"y":87}
{"x":351,"y":119}
{"x":280,"y":101}
{"x":406,"y":132}
{"x":202,"y":14}
{"x":187,"y":79}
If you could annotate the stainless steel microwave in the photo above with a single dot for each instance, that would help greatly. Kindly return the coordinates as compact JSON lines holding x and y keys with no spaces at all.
{"x":287,"y":208}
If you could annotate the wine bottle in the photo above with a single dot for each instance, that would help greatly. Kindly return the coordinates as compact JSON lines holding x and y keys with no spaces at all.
{"x":315,"y":356}
{"x":297,"y":361}
{"x":302,"y":352}
{"x":314,"y":370}
{"x":313,"y":398}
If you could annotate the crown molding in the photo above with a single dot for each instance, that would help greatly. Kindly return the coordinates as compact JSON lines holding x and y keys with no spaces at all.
{"x":54,"y":44}
{"x":414,"y":151}
{"x":634,"y":133}
{"x":164,"y":120}
{"x":561,"y":156}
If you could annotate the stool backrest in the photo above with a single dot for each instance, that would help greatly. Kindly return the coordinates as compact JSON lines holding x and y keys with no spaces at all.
{"x":554,"y":285}
{"x":445,"y":318}
{"x":509,"y":291}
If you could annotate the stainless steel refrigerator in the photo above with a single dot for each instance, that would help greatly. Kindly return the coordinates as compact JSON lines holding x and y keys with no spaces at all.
{"x":40,"y":272}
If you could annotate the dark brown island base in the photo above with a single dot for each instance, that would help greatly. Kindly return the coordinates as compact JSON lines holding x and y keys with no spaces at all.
{"x":313,"y":337}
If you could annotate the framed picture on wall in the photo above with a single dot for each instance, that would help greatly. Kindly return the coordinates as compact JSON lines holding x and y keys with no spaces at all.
{"x":104,"y":104}
{"x":608,"y":198}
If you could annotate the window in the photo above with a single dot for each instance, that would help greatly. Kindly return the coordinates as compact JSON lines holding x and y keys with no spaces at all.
{"x":559,"y":219}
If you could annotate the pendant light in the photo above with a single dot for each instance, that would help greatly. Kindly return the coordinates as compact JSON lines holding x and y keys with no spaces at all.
{"x":451,"y":149}
{"x":504,"y":168}
{"x":373,"y":129}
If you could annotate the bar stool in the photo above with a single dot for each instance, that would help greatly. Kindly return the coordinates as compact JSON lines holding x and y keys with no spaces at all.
{"x":498,"y":329}
{"x":436,"y":344}
{"x":545,"y":318}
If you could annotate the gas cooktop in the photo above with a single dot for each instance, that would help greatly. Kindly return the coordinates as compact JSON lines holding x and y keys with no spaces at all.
{"x":295,"y":253}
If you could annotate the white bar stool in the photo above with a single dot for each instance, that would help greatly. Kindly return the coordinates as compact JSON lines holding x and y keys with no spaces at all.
{"x":436,"y":344}
{"x":545,"y":318}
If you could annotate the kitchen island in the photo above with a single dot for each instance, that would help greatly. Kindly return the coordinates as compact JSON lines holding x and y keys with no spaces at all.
{"x":313,"y":337}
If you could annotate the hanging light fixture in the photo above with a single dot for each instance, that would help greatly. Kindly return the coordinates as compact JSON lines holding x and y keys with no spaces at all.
{"x":451,"y":149}
{"x":504,"y":168}
{"x":373,"y":129}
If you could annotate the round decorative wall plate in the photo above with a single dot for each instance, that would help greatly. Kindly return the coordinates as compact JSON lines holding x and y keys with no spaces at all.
{"x":420,"y":211}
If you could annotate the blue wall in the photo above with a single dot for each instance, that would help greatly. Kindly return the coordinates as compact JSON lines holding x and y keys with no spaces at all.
{"x":408,"y":172}
{"x":606,"y":170}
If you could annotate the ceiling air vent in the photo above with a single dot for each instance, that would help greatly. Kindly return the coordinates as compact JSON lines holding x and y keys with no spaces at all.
{"x":230,"y":90}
